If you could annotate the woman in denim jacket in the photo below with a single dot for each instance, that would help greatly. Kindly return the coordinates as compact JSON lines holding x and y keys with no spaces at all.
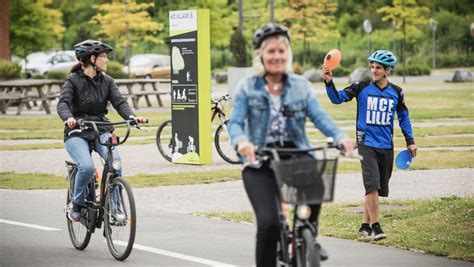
{"x":270,"y":109}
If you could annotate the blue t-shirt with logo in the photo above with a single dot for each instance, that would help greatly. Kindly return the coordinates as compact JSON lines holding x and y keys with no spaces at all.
{"x":376,"y":108}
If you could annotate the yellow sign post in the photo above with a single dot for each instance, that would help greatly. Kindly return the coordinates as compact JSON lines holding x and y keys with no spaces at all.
{"x":190,"y":86}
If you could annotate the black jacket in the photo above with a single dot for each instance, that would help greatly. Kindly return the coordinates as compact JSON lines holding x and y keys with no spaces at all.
{"x":86,"y":98}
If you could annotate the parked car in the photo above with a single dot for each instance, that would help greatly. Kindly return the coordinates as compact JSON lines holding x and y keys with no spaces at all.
{"x":150,"y":66}
{"x":40,"y":63}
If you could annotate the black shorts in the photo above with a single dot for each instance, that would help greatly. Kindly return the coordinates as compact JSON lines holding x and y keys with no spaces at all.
{"x":377,"y":168}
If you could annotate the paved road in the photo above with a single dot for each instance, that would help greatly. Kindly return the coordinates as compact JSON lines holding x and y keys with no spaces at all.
{"x":164,"y":238}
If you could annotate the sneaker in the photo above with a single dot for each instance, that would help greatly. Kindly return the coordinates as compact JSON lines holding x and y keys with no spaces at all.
{"x":377,"y":232}
{"x":119,"y":218}
{"x":323,"y":254}
{"x":365,"y":230}
{"x":74,"y":213}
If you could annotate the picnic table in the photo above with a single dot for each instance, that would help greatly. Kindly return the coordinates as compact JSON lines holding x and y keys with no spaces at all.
{"x":146,"y":88}
{"x":27,"y":93}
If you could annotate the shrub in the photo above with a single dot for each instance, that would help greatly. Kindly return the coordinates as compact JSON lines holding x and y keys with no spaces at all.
{"x":9,"y":70}
{"x":341,"y":71}
{"x":56,"y":75}
{"x":413,"y":70}
{"x":114,"y":70}
{"x":37,"y":76}
{"x":297,"y":68}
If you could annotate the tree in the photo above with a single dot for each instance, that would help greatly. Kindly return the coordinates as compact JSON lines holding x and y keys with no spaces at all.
{"x":238,"y":48}
{"x":76,"y":17}
{"x":309,"y":20}
{"x":34,"y":27}
{"x":126,"y":22}
{"x":408,"y":17}
{"x":222,"y":19}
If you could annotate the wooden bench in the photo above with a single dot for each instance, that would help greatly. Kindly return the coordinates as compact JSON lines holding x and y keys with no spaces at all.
{"x":138,"y":88}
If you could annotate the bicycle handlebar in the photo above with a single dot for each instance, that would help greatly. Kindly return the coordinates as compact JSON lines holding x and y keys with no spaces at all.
{"x":220,"y":99}
{"x":83,"y":126}
{"x":274,"y":152}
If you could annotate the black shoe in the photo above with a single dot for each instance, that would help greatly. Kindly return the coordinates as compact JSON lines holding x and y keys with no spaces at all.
{"x":74,"y":213}
{"x":365,"y":230}
{"x":377,"y":232}
{"x":323,"y":254}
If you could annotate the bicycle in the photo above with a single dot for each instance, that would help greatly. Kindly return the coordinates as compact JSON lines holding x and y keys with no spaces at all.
{"x":165,"y":142}
{"x":302,"y":181}
{"x":113,"y":204}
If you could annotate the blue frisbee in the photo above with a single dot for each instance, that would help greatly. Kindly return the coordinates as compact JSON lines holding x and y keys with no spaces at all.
{"x":403,"y":160}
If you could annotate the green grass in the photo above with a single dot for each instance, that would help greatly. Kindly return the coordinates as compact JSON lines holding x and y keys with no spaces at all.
{"x":423,"y":105}
{"x":440,"y":226}
{"x":16,"y":181}
{"x":426,"y":160}
{"x":28,"y":181}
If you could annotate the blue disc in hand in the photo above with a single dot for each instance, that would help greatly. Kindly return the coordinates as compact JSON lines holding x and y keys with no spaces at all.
{"x":403,"y":160}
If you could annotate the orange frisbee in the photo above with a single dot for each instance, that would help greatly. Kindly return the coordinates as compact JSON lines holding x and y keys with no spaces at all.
{"x":332,"y":59}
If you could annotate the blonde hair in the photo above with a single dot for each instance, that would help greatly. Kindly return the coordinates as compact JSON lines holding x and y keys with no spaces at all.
{"x":259,"y":68}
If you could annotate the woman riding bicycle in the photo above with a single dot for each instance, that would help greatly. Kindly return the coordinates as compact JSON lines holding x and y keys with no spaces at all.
{"x":270,"y":109}
{"x":84,"y":96}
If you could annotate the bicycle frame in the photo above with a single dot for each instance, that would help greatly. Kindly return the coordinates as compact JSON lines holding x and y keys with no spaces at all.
{"x":217,"y":110}
{"x":291,"y":250}
{"x":109,"y":172}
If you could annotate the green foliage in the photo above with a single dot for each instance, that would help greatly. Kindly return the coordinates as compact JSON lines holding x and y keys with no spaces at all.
{"x":341,"y":71}
{"x":9,"y":70}
{"x":33,"y":27}
{"x":76,"y":17}
{"x":114,"y":70}
{"x":220,"y":58}
{"x":453,"y":59}
{"x":413,"y":69}
{"x":452,"y":34}
{"x":297,"y":68}
{"x":56,"y":75}
{"x":238,"y":48}
{"x":127,"y":22}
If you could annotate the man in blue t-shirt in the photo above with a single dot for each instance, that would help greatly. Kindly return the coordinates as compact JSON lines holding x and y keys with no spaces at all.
{"x":377,"y":102}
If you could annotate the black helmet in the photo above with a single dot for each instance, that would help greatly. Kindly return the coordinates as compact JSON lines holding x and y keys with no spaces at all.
{"x":266,"y":31}
{"x":87,"y":48}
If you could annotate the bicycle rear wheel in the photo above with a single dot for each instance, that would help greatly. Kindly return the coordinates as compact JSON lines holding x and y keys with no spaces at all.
{"x":310,"y":252}
{"x":224,"y":146}
{"x":78,"y":232}
{"x":120,"y":219}
{"x":164,"y":140}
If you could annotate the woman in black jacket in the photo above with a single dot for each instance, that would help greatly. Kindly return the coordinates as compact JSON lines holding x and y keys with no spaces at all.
{"x":84,"y":96}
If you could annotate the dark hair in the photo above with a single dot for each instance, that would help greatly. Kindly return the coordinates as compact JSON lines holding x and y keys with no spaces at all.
{"x":85,"y":62}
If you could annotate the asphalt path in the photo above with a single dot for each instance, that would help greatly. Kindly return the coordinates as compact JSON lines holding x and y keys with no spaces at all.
{"x":164,"y":238}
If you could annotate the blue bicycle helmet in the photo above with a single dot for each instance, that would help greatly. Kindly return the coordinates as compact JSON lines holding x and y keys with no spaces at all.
{"x":384,"y":57}
{"x":268,"y":30}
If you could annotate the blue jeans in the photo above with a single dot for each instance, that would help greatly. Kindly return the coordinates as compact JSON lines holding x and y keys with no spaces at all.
{"x":78,"y":149}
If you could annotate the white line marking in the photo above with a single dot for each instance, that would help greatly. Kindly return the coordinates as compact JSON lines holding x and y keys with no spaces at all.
{"x":176,"y":255}
{"x":30,"y":225}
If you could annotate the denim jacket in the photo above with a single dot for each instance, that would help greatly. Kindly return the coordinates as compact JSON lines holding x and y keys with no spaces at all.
{"x":251,"y":114}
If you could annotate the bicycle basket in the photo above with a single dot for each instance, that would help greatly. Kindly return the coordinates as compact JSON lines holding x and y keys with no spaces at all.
{"x":305,"y":180}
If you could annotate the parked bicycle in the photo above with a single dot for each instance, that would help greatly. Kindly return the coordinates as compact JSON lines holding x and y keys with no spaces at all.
{"x":165,"y":141}
{"x":302,"y":181}
{"x":113,"y":204}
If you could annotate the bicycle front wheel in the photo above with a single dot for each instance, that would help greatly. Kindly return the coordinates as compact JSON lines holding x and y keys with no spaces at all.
{"x":120,"y":219}
{"x":78,"y":232}
{"x":164,"y":140}
{"x":310,"y":252}
{"x":224,"y":146}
